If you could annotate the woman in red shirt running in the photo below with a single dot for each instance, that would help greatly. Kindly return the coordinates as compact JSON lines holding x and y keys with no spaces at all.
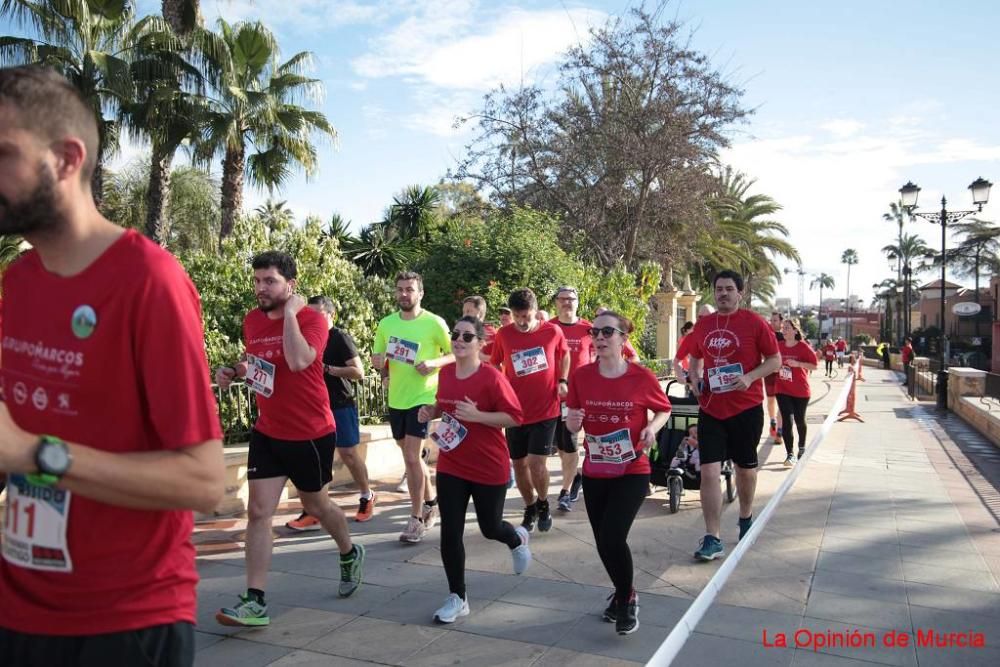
{"x":608,"y":399}
{"x":475,"y":401}
{"x":829,"y":354}
{"x":792,"y":386}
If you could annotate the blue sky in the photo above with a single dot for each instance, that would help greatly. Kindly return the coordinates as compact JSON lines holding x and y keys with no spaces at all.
{"x":852,"y":100}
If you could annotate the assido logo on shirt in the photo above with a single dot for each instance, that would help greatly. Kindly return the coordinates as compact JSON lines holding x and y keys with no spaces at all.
{"x":84,"y":321}
{"x":721,"y":343}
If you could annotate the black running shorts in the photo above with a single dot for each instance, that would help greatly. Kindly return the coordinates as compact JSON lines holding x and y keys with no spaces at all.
{"x":308,"y":463}
{"x":404,"y":423}
{"x":565,"y":440}
{"x":735,"y":438}
{"x":531,"y":438}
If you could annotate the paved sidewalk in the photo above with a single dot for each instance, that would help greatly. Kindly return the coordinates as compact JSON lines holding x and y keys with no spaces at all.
{"x":893,"y":526}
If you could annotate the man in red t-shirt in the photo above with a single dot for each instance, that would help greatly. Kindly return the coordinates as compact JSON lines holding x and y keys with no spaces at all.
{"x":535,"y":359}
{"x":109,"y":436}
{"x":907,"y":354}
{"x":736,"y":348}
{"x":829,"y":355}
{"x":841,"y":346}
{"x":294,"y":437}
{"x":581,"y":352}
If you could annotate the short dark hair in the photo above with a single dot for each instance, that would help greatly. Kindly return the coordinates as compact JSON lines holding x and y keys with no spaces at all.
{"x":410,"y":275}
{"x":476,"y":323}
{"x":282,"y":261}
{"x":46,"y":104}
{"x":503,"y":310}
{"x":324,"y":302}
{"x":778,"y":313}
{"x":687,"y":327}
{"x":522,"y":299}
{"x":476,"y":300}
{"x":732,"y":275}
{"x":624,"y":323}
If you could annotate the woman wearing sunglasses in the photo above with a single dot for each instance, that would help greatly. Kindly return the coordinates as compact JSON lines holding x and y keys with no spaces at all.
{"x":792,"y":387}
{"x":474,"y":401}
{"x":609,"y":400}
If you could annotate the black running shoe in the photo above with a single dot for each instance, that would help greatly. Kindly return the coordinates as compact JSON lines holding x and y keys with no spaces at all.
{"x":611,"y":613}
{"x":530,"y":512}
{"x":627,"y":620}
{"x":574,"y":489}
{"x":544,"y":516}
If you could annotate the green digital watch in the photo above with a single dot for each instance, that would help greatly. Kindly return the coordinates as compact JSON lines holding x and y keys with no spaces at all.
{"x":53,"y":460}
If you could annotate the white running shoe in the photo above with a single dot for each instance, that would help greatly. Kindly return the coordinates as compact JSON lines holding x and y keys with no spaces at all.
{"x":430,"y":515}
{"x":454,"y":607}
{"x":403,"y":487}
{"x":521,"y":555}
{"x":414,"y":531}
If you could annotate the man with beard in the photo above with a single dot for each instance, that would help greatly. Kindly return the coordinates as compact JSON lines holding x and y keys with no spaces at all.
{"x":294,"y":437}
{"x":581,"y":352}
{"x":737,"y":348}
{"x":109,"y":436}
{"x":414,"y":344}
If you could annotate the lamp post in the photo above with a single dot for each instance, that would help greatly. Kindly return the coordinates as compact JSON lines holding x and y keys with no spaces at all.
{"x":980,"y":189}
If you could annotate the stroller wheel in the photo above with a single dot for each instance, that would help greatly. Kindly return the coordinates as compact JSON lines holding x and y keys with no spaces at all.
{"x":676,"y":488}
{"x":730,"y":488}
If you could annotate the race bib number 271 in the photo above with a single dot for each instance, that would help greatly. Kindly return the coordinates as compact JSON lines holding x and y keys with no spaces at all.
{"x":35,"y":520}
{"x":260,"y":375}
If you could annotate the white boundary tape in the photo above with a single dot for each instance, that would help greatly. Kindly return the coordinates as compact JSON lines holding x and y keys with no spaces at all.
{"x":674,"y":642}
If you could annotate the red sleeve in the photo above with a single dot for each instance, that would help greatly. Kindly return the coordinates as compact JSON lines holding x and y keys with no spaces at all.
{"x":684,"y":349}
{"x":654,"y":397}
{"x":170,"y":353}
{"x":504,"y":398}
{"x":694,"y":347}
{"x":628,"y":351}
{"x":314,"y":330}
{"x":767,"y":342}
{"x":572,"y":397}
{"x":809,"y":354}
{"x":496,"y":353}
{"x":562,"y":347}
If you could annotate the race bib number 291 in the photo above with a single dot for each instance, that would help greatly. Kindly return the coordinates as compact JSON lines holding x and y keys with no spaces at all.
{"x":401,"y":350}
{"x":35,"y":520}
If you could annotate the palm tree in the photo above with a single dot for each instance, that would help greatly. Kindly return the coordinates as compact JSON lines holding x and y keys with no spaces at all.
{"x":910,"y":249}
{"x":379,"y":251}
{"x":10,"y":249}
{"x":823,"y":280}
{"x":412,"y":212}
{"x":255,"y":106}
{"x":88,"y":42}
{"x":276,"y":216}
{"x":979,"y":248}
{"x":849,"y":257}
{"x":183,"y":16}
{"x":339,"y":229}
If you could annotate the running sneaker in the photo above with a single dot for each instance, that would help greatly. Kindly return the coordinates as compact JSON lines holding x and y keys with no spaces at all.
{"x":454,"y":607}
{"x":790,"y":460}
{"x":774,"y":428}
{"x":430,"y":516}
{"x":574,"y":490}
{"x":414,"y":531}
{"x":304,"y":523}
{"x":611,"y":613}
{"x":544,"y":516}
{"x":521,"y":554}
{"x":627,"y":615}
{"x":777,"y":437}
{"x":403,"y":487}
{"x":528,"y":522}
{"x":745,"y":525}
{"x":247,"y":612}
{"x":510,"y":478}
{"x":710,"y":548}
{"x":565,"y":505}
{"x":351,"y":570}
{"x":366,"y":509}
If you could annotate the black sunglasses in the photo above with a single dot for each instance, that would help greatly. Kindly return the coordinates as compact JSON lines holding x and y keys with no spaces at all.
{"x":607,"y":332}
{"x":464,"y":335}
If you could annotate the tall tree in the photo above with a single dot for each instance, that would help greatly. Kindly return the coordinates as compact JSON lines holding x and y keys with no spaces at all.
{"x":256,"y":107}
{"x":822,"y":281}
{"x":621,"y":151}
{"x":183,"y":16}
{"x":850,"y":258}
{"x":413,"y":212}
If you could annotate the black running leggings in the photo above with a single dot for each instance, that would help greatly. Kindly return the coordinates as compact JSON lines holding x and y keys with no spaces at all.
{"x":612,"y":505}
{"x":453,"y":502}
{"x":789,"y":406}
{"x":829,"y":366}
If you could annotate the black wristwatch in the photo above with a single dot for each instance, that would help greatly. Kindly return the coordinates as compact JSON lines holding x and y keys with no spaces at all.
{"x":563,"y":381}
{"x":52,"y":458}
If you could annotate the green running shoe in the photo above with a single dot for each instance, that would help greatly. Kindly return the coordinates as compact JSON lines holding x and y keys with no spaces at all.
{"x":248,"y":612}
{"x":351,"y":570}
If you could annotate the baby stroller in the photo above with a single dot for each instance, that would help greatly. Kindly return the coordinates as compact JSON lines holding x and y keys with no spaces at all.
{"x":683,"y":415}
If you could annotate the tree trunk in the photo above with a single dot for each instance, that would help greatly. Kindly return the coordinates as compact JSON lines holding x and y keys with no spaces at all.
{"x":97,"y":184}
{"x":181,"y":15}
{"x":232,"y":189}
{"x":158,"y":195}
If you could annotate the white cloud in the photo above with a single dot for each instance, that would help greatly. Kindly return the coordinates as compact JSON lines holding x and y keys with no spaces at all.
{"x":843,"y":127}
{"x":444,"y":47}
{"x":301,"y":14}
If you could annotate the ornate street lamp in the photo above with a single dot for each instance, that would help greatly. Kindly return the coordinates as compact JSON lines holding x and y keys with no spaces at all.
{"x":908,"y":194}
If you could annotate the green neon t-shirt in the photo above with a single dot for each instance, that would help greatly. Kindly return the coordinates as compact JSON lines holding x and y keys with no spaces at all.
{"x":406,"y":343}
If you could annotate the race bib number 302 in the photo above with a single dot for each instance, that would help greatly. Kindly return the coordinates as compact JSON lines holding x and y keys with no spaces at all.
{"x":260,"y":375}
{"x":529,"y":361}
{"x":723,"y":378}
{"x":34,"y":526}
{"x":401,"y":350}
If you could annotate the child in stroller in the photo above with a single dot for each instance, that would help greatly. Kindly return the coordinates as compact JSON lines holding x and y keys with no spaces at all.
{"x":687,"y":460}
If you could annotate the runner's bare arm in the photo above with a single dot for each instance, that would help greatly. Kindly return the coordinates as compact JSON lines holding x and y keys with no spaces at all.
{"x":648,"y":434}
{"x":187,"y":478}
{"x":694,"y":370}
{"x":354,"y":370}
{"x":771,"y":365}
{"x":795,"y":363}
{"x":298,"y":353}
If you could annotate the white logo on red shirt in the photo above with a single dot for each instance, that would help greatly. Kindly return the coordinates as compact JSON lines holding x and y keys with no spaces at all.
{"x":721,"y":343}
{"x":40,"y":399}
{"x":20,"y":393}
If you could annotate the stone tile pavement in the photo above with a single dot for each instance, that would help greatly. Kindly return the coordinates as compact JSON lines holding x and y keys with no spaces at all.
{"x":892,"y":528}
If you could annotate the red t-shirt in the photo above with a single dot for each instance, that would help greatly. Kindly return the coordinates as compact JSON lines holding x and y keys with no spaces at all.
{"x":907,"y":353}
{"x":112,"y":358}
{"x":491,"y":333}
{"x":841,"y":346}
{"x":628,"y":351}
{"x":533,"y":364}
{"x":612,"y":405}
{"x":829,"y":351}
{"x":794,"y":381}
{"x":683,"y":350}
{"x":481,"y":456}
{"x":299,"y":408}
{"x":581,"y":345}
{"x":735,"y":344}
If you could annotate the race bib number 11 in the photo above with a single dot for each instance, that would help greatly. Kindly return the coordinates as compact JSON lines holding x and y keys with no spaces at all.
{"x":34,"y":526}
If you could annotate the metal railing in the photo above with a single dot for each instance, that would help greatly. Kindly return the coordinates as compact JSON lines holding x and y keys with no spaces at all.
{"x":238,"y":407}
{"x":921,"y":382}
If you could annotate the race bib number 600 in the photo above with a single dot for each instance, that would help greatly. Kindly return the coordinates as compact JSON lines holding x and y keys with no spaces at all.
{"x":34,"y":526}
